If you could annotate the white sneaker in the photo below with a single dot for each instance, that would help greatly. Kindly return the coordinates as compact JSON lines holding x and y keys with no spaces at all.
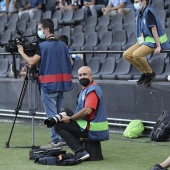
{"x":52,"y":145}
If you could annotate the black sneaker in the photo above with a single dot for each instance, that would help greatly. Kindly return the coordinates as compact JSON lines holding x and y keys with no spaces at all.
{"x":149,"y":78}
{"x":158,"y":167}
{"x":141,"y":79}
{"x":82,"y":155}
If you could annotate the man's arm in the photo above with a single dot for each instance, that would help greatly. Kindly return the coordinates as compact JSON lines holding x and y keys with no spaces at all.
{"x":30,"y":60}
{"x":38,"y":7}
{"x":122,"y":5}
{"x":80,"y":115}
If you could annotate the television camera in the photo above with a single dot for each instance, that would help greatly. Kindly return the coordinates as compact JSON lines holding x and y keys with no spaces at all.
{"x":30,"y":47}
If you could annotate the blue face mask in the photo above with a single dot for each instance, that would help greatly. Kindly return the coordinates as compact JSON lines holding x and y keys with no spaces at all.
{"x":41,"y":35}
{"x":137,"y":6}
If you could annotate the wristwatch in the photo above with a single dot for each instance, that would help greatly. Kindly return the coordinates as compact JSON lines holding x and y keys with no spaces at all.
{"x":71,"y":119}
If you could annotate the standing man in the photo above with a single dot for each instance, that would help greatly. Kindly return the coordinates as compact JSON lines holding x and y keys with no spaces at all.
{"x":55,"y":72}
{"x":90,"y":119}
{"x":151,"y":38}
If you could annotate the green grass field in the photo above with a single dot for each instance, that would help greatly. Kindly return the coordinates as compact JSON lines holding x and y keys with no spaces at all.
{"x":119,"y":153}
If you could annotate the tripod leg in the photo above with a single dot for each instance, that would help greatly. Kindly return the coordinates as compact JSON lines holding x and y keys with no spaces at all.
{"x":22,"y":94}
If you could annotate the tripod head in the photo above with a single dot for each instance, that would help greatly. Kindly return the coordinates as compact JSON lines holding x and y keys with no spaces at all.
{"x":32,"y":73}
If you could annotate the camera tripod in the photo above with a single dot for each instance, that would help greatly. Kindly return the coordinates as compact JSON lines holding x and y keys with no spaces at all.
{"x":30,"y":80}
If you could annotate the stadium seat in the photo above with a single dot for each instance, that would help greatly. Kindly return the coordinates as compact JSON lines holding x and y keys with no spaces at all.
{"x":157,"y":5}
{"x":55,"y":21}
{"x":123,"y":68}
{"x":29,"y":32}
{"x":88,"y":48}
{"x":130,"y":17}
{"x":66,"y":31}
{"x":116,"y":19}
{"x":101,"y":56}
{"x":77,"y":29}
{"x":78,"y":40}
{"x":158,"y":64}
{"x":92,"y":39}
{"x":106,"y":39}
{"x":12,"y":26}
{"x":13,"y":17}
{"x":25,"y":17}
{"x":91,"y":20}
{"x":78,"y":17}
{"x":67,"y":16}
{"x":116,"y":27}
{"x":9,"y":57}
{"x":104,"y":20}
{"x":22,"y":25}
{"x":5,"y":37}
{"x":162,"y":15}
{"x":2,"y":27}
{"x":57,"y":14}
{"x":167,"y":30}
{"x":163,"y":76}
{"x":101,"y":30}
{"x":4,"y":65}
{"x":37,"y":16}
{"x":107,"y":68}
{"x":116,"y":47}
{"x":126,"y":46}
{"x":95,"y":64}
{"x":77,"y":64}
{"x":3,"y":17}
{"x":132,"y":39}
{"x":119,"y":37}
{"x":2,"y":50}
{"x":130,"y":27}
{"x":88,"y":30}
{"x":46,"y":14}
{"x":32,"y":25}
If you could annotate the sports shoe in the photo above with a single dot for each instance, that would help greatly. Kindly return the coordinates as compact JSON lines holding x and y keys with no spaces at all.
{"x":52,"y":145}
{"x":82,"y":155}
{"x":141,"y":79}
{"x":158,"y":167}
{"x":149,"y":78}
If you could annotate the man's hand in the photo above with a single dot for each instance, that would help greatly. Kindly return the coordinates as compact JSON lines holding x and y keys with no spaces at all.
{"x":20,"y":49}
{"x":157,"y":50}
{"x":66,"y":119}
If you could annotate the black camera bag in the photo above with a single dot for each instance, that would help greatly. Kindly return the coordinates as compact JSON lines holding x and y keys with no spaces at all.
{"x":161,"y":130}
{"x":40,"y":153}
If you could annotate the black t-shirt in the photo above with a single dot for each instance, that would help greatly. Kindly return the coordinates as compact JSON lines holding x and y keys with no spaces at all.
{"x":151,"y":19}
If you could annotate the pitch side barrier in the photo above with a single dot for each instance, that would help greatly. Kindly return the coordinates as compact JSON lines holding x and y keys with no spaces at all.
{"x":103,"y":52}
{"x":129,"y":100}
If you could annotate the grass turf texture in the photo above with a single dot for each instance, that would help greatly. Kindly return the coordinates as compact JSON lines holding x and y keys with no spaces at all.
{"x":119,"y":153}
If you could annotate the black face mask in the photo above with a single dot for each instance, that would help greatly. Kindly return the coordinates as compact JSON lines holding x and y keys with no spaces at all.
{"x":84,"y":82}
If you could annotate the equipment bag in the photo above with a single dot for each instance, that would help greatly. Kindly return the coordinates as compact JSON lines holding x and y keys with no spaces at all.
{"x":161,"y":130}
{"x":35,"y":154}
{"x":134,"y":129}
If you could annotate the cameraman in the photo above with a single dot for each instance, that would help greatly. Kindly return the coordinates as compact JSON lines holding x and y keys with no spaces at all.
{"x":55,"y":72}
{"x":90,"y":120}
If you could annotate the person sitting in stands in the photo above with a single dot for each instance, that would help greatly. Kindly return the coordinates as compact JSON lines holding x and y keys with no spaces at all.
{"x":33,"y":6}
{"x":129,"y":7}
{"x":113,"y":7}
